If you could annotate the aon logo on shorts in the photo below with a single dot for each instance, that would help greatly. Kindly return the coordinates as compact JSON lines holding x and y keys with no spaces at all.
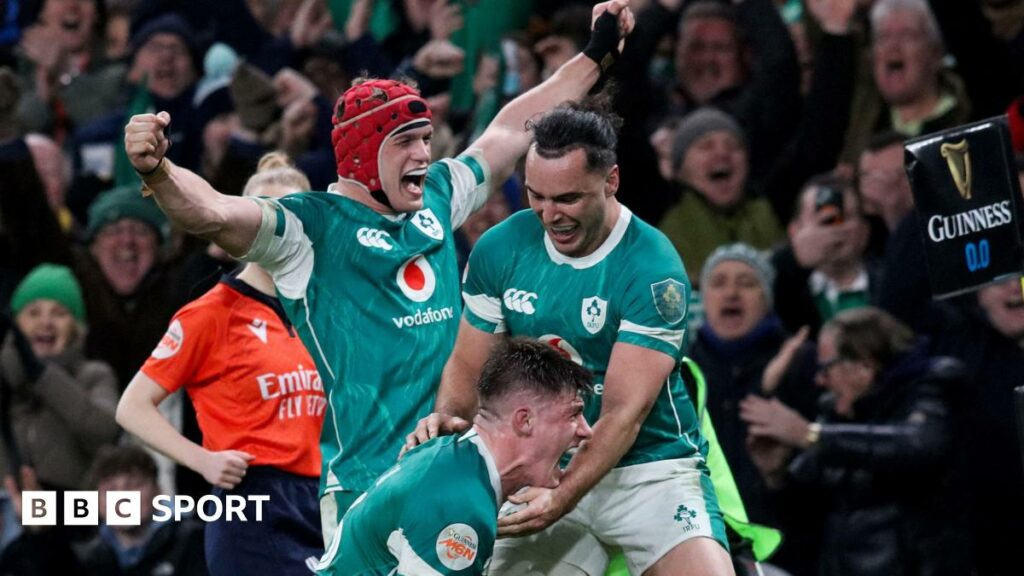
{"x":520,"y":300}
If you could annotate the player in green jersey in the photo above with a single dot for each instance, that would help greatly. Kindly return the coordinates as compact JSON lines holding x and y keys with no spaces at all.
{"x":436,"y":511}
{"x":367,"y":272}
{"x":610,"y":292}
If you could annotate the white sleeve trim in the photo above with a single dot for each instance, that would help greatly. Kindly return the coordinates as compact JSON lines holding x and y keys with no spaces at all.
{"x":673,"y":337}
{"x":486,"y":308}
{"x":409,"y":563}
{"x":288,"y":258}
{"x":467,"y":195}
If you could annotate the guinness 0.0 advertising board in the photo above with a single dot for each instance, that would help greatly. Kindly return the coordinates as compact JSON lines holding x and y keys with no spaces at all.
{"x":969,"y":205}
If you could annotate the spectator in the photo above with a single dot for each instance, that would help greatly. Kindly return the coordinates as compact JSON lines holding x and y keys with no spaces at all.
{"x":711,"y":161}
{"x":881,"y":450}
{"x":69,"y":80}
{"x":130,"y":292}
{"x":822,"y":270}
{"x":259,"y":434}
{"x":167,"y":547}
{"x":739,"y":339}
{"x":54,"y":170}
{"x":916,"y":95}
{"x":58,"y":404}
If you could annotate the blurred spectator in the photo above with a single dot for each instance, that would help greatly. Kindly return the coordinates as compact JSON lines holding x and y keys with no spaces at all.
{"x":822,"y":270}
{"x":166,"y":547}
{"x":58,"y":404}
{"x":739,"y":338}
{"x":69,"y":80}
{"x":989,"y":338}
{"x":163,"y":74}
{"x":29,"y":232}
{"x":916,"y":95}
{"x":117,"y":33}
{"x":54,"y":170}
{"x":258,"y":438}
{"x":710,"y":158}
{"x":130,"y":293}
{"x":880,"y":452}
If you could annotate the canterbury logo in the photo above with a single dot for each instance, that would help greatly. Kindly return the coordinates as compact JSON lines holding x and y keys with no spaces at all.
{"x":373,"y":238}
{"x":958,"y":158}
{"x":520,"y":300}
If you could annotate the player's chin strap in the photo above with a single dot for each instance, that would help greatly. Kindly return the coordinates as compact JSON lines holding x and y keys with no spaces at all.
{"x":381,"y":197}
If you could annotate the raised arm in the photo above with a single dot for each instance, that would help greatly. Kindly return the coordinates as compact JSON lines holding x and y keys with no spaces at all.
{"x":188,"y":200}
{"x":506,"y":139}
{"x":631,"y":386}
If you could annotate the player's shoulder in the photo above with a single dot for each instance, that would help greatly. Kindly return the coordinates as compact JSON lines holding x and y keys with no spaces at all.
{"x":523,"y":226}
{"x":643,"y":236}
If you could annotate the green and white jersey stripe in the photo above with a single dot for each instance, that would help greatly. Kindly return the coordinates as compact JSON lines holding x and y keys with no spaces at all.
{"x":376,"y":301}
{"x":632,"y":289}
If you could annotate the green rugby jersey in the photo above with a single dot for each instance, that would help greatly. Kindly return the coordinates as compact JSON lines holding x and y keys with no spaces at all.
{"x":376,"y":302}
{"x":435,"y":512}
{"x":632,"y":289}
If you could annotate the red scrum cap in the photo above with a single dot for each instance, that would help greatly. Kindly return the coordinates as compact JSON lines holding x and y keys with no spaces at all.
{"x":364,"y":117}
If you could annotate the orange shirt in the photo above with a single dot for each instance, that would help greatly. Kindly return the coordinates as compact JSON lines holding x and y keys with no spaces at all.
{"x":254,"y":386}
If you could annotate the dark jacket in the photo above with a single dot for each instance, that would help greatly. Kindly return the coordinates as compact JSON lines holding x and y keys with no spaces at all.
{"x":888,"y":476}
{"x":174,"y":549}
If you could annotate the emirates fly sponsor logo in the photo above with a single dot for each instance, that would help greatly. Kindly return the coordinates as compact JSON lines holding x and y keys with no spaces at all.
{"x":457,"y":546}
{"x":298,"y":393}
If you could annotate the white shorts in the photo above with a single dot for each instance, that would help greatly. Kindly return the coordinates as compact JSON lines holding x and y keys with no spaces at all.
{"x":644,"y":510}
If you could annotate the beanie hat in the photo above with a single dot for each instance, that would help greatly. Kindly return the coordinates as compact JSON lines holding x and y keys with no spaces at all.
{"x":125,"y":202}
{"x":52,"y":282}
{"x":696,"y":125}
{"x":740,"y":252}
{"x":169,"y":23}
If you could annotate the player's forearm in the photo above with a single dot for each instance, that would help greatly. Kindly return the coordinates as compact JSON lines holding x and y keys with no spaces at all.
{"x":612,"y":437}
{"x":193,"y":205}
{"x":457,"y":395}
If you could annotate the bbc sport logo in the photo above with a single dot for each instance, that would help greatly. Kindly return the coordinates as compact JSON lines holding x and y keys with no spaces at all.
{"x":124,"y":508}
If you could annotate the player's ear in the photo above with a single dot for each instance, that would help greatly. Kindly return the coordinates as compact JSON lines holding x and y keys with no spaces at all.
{"x":523,"y":421}
{"x":611,"y":182}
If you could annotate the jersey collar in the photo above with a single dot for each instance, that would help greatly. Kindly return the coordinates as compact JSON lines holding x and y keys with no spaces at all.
{"x":602,"y":251}
{"x":248,"y":291}
{"x":492,"y":466}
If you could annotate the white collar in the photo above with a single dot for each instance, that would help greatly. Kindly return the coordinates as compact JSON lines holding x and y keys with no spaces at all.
{"x":492,"y":466}
{"x":820,"y":283}
{"x":595,"y":257}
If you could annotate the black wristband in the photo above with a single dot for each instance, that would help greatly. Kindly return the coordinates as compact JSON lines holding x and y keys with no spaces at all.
{"x":155,"y":168}
{"x":603,"y":47}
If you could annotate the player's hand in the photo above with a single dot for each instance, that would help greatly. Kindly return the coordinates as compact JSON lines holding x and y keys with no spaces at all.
{"x":432,"y":426}
{"x":224,"y":469}
{"x":543,"y":507}
{"x":145,"y":141}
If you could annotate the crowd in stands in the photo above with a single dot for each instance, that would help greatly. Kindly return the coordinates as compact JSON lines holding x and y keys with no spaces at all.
{"x":870,"y":423}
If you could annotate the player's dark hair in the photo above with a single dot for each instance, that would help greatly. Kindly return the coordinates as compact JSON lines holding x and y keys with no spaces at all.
{"x":589,"y":125}
{"x":518,"y":364}
{"x":111,"y":461}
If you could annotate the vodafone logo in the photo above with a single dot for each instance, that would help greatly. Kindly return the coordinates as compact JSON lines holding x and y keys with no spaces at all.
{"x":171,"y":342}
{"x":416,"y":279}
{"x":563,"y":347}
{"x":457,"y":546}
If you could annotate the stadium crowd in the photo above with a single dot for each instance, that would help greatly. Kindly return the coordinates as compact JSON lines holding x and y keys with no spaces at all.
{"x":871,"y":424}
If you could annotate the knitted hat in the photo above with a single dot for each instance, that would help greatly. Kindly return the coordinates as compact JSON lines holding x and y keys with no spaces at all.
{"x":697,"y":124}
{"x":746,"y":254}
{"x":125,"y":202}
{"x":51,"y":282}
{"x":168,"y":23}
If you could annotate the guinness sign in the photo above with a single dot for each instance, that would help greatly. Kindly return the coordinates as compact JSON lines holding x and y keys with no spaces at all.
{"x":969,"y":203}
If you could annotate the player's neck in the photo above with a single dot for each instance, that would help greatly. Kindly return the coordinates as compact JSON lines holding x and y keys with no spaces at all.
{"x":258,"y":278}
{"x":502,"y":449}
{"x":611,"y":218}
{"x":362,"y":195}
